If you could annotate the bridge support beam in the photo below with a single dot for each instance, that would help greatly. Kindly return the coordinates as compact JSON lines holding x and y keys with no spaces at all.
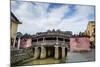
{"x":36,"y":53}
{"x":63,"y":52}
{"x":43,"y":53}
{"x":56,"y":52}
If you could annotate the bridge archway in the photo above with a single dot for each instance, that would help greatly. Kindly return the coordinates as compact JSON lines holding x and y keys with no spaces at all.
{"x":50,"y":51}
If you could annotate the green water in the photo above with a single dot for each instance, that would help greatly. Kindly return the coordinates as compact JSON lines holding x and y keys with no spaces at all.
{"x":71,"y":57}
{"x":45,"y":61}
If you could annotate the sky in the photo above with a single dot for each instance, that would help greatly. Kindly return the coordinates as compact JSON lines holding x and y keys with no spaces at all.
{"x":40,"y":17}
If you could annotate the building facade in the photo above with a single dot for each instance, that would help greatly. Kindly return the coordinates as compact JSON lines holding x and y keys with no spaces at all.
{"x":79,"y":43}
{"x":90,"y":31}
{"x":26,"y":41}
{"x":13,"y":28}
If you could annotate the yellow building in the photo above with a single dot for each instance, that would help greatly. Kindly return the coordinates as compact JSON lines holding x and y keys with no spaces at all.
{"x":14,"y":26}
{"x":90,"y":31}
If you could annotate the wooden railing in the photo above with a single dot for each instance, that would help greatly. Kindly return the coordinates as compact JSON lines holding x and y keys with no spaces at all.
{"x":50,"y":43}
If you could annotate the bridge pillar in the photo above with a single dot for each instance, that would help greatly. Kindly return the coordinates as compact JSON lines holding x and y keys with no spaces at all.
{"x":63,"y":52}
{"x":36,"y":53}
{"x":43,"y":53}
{"x":56,"y":52}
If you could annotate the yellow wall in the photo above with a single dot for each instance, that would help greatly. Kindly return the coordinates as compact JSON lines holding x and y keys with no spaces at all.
{"x":13,"y":31}
{"x":90,"y":31}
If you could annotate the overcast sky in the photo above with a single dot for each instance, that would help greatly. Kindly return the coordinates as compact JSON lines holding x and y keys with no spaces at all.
{"x":39,"y":17}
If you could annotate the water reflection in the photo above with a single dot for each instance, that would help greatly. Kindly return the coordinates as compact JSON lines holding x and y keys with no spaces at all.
{"x":71,"y":57}
{"x":45,"y":61}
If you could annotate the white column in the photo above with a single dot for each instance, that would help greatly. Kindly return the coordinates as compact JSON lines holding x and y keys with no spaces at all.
{"x":63,"y":40}
{"x":36,"y":53}
{"x":56,"y":40}
{"x":56,"y":52}
{"x":37,"y":40}
{"x":18,"y":44}
{"x":43,"y":39}
{"x":43,"y":53}
{"x":14,"y":42}
{"x":63,"y":52}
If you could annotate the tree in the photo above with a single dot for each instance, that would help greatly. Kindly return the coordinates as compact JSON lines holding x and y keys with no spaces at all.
{"x":19,"y":34}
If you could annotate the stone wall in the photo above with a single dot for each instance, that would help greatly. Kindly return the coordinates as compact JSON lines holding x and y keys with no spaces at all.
{"x":20,"y":55}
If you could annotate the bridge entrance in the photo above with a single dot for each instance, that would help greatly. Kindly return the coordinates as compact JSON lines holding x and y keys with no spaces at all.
{"x":50,"y":51}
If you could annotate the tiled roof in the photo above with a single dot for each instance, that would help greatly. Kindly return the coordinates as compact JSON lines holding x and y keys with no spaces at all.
{"x":14,"y":18}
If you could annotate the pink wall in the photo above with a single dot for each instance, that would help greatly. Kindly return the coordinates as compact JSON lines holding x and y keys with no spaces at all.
{"x":26,"y":43}
{"x":29,"y":43}
{"x":79,"y":44}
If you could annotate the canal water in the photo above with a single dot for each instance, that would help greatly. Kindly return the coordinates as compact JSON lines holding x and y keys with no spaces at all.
{"x":72,"y":57}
